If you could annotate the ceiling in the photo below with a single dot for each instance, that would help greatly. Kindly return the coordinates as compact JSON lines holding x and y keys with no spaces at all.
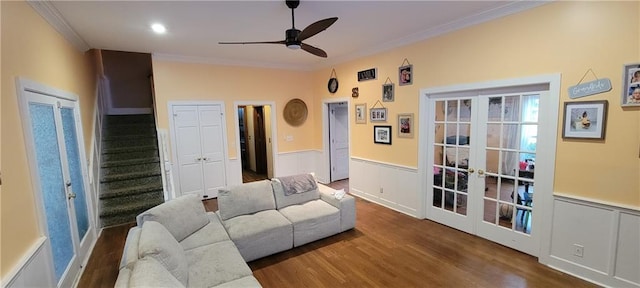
{"x":194,"y":28}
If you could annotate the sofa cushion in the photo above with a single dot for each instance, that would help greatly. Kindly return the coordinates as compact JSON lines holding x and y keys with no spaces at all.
{"x":283,"y":200}
{"x":312,"y":220}
{"x":148,"y":272}
{"x":215,"y":264}
{"x":181,"y":216}
{"x":157,"y":242}
{"x":346,"y":205}
{"x":246,"y":198}
{"x":124,"y":275}
{"x":130,"y":251}
{"x":247,"y":281}
{"x":260,"y":234}
{"x":210,"y":233}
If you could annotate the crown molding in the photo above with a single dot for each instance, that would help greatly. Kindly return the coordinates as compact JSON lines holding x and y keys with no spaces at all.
{"x":227,"y":62}
{"x":484,"y":16}
{"x":55,"y":19}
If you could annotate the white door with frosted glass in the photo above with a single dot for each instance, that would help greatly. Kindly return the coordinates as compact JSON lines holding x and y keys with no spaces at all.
{"x":339,"y":140}
{"x":54,"y":140}
{"x":483,"y":151}
{"x":199,"y":147}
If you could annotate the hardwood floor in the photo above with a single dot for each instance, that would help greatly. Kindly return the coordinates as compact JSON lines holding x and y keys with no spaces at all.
{"x":386,"y":249}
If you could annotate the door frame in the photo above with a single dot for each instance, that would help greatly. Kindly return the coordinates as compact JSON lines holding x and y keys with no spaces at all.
{"x":548,"y":129}
{"x":26,"y":85}
{"x":174,"y":150}
{"x":325,"y":175}
{"x":274,"y":135}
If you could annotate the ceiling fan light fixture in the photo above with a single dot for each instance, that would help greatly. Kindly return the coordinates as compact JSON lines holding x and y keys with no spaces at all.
{"x":294,"y":46}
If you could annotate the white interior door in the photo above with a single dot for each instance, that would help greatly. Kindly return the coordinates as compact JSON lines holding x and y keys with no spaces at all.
{"x":54,"y":138}
{"x":508,"y":134}
{"x":339,"y":140}
{"x":188,"y":146}
{"x":198,"y":131}
{"x":483,"y":152}
{"x":452,"y":151}
{"x":212,"y":149}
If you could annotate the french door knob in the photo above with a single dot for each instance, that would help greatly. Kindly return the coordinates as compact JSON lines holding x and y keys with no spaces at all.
{"x":480,"y":172}
{"x":71,"y":195}
{"x":471,"y":170}
{"x":198,"y":159}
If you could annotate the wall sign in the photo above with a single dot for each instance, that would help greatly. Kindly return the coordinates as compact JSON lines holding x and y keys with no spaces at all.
{"x":369,"y":74}
{"x":590,"y":88}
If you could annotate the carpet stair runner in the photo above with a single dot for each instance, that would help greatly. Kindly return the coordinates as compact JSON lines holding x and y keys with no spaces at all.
{"x":130,"y":177}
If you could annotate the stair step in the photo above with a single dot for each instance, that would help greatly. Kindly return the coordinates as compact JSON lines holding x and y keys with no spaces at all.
{"x":123,"y":170}
{"x":140,"y":206}
{"x":130,"y":175}
{"x":150,"y":153}
{"x":128,"y":136}
{"x":129,"y":128}
{"x":121,"y":203}
{"x":128,"y":119}
{"x":118,"y":150}
{"x":129,"y":162}
{"x":105,"y":187}
{"x":130,"y":142}
{"x":131,"y":190}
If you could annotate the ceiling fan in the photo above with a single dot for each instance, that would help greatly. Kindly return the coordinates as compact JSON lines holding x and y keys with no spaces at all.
{"x":294,"y":37}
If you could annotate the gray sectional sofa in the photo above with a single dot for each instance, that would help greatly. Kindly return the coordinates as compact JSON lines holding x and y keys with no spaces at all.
{"x":179,"y":244}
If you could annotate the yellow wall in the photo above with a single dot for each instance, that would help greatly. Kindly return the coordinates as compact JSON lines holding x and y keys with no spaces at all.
{"x":176,"y":81}
{"x":564,"y":37}
{"x":34,"y":50}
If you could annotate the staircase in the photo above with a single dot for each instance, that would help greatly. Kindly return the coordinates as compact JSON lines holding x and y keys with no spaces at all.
{"x":130,"y":177}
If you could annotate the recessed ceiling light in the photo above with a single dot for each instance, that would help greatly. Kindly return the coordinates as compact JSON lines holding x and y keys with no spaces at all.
{"x":158,"y":28}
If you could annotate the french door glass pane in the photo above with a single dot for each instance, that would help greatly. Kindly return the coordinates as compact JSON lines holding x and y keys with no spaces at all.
{"x":510,"y":160}
{"x":75,"y":169}
{"x":52,"y":185}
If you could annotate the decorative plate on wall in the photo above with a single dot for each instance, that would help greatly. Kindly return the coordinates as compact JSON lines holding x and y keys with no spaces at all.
{"x":332,"y":85}
{"x":295,"y":112}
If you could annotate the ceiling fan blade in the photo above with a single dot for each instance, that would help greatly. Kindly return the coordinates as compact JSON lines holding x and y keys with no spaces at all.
{"x":260,"y":42}
{"x":316,"y":28}
{"x":313,"y":50}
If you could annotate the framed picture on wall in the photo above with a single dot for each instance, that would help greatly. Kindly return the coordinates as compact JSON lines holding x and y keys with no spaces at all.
{"x":631,"y":85}
{"x":405,"y":75}
{"x":405,"y":125}
{"x":382,"y":134}
{"x":585,"y":119}
{"x":387,"y":93}
{"x":361,"y":113}
{"x":378,"y":114}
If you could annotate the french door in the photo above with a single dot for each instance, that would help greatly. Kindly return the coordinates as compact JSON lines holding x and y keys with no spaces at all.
{"x":54,"y":139}
{"x":482,"y":154}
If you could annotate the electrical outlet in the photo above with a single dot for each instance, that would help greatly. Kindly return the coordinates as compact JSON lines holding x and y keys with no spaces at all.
{"x":578,"y":250}
{"x":381,"y":190}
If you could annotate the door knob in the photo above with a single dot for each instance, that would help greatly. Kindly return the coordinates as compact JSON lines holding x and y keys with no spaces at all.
{"x":71,"y":195}
{"x":205,"y":158}
{"x":198,"y":159}
{"x":480,"y":172}
{"x":68,"y":183}
{"x":471,"y":170}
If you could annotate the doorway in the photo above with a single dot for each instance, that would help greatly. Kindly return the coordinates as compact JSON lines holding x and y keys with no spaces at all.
{"x":53,"y":132}
{"x":484,"y":147}
{"x":255,"y":138}
{"x":339,"y":141}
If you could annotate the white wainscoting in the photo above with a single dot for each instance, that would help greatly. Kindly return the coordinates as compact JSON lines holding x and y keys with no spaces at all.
{"x":35,"y":269}
{"x":609,"y":234}
{"x":297,"y":162}
{"x":389,"y":185}
{"x":234,"y":172}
